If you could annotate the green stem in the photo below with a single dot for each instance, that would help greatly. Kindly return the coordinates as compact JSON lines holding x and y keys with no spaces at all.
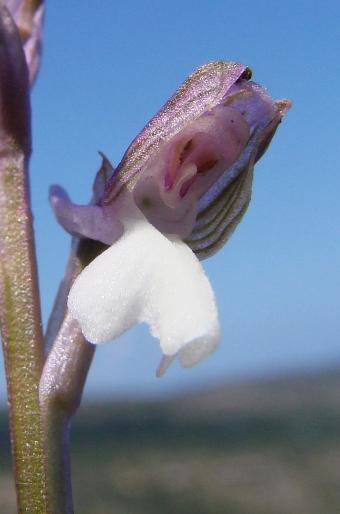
{"x":21,"y":332}
{"x":19,"y":296}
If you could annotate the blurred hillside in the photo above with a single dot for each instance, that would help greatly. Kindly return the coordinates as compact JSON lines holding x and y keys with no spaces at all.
{"x":262,"y":447}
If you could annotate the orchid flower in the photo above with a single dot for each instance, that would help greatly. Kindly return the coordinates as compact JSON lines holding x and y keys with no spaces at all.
{"x":179,"y":192}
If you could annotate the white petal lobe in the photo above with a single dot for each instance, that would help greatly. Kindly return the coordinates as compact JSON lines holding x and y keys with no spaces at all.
{"x":148,"y":277}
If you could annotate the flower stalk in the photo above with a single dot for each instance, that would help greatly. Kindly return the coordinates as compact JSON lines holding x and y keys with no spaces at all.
{"x":62,"y":382}
{"x":65,"y":371}
{"x":61,"y":389}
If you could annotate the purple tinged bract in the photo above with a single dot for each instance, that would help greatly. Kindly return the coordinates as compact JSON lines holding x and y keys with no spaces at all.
{"x":28,"y":16}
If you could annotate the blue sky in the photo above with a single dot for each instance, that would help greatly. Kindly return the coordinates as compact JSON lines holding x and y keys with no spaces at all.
{"x":107,"y":68}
